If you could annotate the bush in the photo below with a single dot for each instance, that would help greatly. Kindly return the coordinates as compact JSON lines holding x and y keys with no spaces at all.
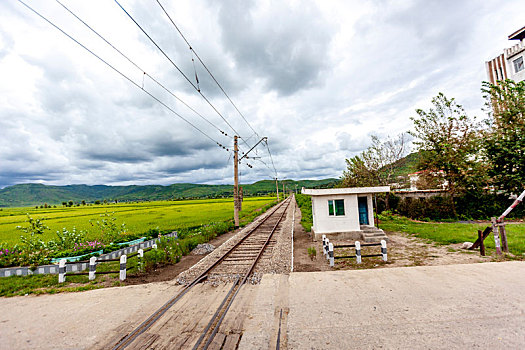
{"x":312,"y":253}
{"x":68,"y":239}
{"x":305,"y":204}
{"x":170,"y":251}
{"x":470,"y":206}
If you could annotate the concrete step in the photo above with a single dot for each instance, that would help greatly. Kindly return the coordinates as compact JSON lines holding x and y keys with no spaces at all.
{"x":375,"y":239}
{"x":372,"y":234}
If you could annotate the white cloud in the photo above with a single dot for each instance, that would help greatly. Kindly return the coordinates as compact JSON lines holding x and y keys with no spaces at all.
{"x":317,"y":77}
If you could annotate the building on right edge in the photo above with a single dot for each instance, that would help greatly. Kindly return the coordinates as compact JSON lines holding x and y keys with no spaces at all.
{"x":511,"y":63}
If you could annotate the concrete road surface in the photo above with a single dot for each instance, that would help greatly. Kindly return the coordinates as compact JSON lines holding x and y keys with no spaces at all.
{"x":478,"y":306}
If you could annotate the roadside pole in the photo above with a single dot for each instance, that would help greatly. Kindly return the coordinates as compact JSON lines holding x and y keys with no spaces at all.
{"x":236,"y":182}
{"x":277,"y":187}
{"x":238,"y":195}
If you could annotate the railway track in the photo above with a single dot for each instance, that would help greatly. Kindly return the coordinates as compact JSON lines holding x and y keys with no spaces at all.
{"x":237,"y":263}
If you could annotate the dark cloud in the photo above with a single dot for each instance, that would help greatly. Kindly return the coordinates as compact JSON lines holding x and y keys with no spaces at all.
{"x":287,"y":47}
{"x":316,"y":78}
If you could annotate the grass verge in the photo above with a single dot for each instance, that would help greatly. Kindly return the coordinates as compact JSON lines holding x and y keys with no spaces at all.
{"x":449,"y":233}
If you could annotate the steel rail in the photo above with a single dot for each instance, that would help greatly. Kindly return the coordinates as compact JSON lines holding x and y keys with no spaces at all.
{"x":127,"y":340}
{"x":230,"y":302}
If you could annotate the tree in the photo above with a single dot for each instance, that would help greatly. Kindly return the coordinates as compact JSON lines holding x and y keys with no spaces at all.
{"x":376,"y":165}
{"x":505,"y":139}
{"x":448,"y":140}
{"x":70,"y":203}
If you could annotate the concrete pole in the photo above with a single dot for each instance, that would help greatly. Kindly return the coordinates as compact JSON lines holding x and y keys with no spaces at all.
{"x":324,"y":244}
{"x":92,"y":267}
{"x":62,"y":271}
{"x":277,"y":187}
{"x":358,"y":252}
{"x":383,"y":249}
{"x":235,"y":182}
{"x":331,"y":253}
{"x":123,"y":260}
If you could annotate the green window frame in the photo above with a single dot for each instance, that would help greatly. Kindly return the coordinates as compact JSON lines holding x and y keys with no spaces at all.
{"x":336,"y":207}
{"x":331,"y":208}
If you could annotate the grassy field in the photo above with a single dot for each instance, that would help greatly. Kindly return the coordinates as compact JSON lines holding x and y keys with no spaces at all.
{"x":138,"y":217}
{"x":447,"y":233}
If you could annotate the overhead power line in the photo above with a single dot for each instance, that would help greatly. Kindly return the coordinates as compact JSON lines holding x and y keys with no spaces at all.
{"x":139,"y":68}
{"x":271,"y":158}
{"x":120,"y":73}
{"x":209,"y":72}
{"x":177,"y":67}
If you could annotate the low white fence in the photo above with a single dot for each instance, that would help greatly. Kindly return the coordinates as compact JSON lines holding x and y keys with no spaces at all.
{"x":328,"y":250}
{"x":81,"y":265}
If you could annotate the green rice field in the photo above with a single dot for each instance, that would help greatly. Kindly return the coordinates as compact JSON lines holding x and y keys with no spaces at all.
{"x":138,"y":217}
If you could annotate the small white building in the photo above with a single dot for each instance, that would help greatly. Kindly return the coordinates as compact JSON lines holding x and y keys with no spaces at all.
{"x":345,"y":213}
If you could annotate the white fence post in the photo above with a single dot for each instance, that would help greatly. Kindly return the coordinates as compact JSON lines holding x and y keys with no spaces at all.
{"x":324,"y":243}
{"x":123,"y":260}
{"x":358,"y":252}
{"x":141,"y":256}
{"x":62,"y":271}
{"x":383,"y":249}
{"x":331,"y":254}
{"x":92,"y":267}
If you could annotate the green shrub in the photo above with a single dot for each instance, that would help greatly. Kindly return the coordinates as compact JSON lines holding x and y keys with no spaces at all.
{"x":305,"y":204}
{"x":312,"y":253}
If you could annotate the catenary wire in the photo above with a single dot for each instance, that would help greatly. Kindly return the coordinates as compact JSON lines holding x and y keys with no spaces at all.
{"x":119,"y":72}
{"x":205,"y":67}
{"x":142,"y":70}
{"x":177,"y":67}
{"x":271,"y":158}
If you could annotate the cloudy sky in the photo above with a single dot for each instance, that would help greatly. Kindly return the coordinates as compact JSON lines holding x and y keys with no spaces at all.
{"x":316,"y":77}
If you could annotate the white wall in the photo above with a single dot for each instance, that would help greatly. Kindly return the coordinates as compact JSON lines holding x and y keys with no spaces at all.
{"x":512,"y":54}
{"x":324,"y":223}
{"x":370,"y":210}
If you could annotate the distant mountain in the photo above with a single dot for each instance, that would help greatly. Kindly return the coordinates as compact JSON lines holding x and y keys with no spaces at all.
{"x":38,"y":194}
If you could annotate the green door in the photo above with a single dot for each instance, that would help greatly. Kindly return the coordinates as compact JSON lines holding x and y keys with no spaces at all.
{"x":363,"y":210}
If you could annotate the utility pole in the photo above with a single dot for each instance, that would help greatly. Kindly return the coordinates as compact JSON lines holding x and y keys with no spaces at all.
{"x":235,"y":182}
{"x":237,"y":200}
{"x":277,"y":187}
{"x":284,"y":195}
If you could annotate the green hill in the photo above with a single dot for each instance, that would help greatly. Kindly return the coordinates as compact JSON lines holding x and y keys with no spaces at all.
{"x":406,"y":165}
{"x":38,"y":194}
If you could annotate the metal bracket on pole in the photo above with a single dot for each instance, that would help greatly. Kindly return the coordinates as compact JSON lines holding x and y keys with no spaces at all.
{"x":251,"y":149}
